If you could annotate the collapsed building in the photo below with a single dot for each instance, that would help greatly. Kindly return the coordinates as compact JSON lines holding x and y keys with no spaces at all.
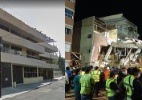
{"x":111,"y":40}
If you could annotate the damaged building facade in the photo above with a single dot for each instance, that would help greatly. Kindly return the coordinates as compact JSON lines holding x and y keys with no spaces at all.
{"x":93,"y":38}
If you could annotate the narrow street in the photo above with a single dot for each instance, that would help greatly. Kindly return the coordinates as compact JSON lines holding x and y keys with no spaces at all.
{"x":54,"y":91}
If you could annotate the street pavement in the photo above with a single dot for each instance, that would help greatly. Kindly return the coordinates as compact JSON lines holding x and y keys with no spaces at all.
{"x":102,"y":94}
{"x":53,"y":91}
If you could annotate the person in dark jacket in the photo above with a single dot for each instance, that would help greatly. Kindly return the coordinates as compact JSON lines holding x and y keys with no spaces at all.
{"x":137,"y":93}
{"x":111,"y":87}
{"x":69,"y":73}
{"x":123,"y":72}
{"x":121,"y":84}
{"x":77,"y":86}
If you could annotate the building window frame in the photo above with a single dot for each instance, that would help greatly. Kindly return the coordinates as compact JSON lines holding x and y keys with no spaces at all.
{"x":89,"y":36}
{"x":68,"y":30}
{"x":67,"y":47}
{"x":69,"y":13}
{"x":72,"y":1}
{"x":30,"y":72}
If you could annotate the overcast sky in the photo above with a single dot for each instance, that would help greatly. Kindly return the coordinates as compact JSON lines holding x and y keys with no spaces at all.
{"x":45,"y":16}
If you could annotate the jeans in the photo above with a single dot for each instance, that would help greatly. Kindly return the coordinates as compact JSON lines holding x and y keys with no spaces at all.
{"x":111,"y":98}
{"x":86,"y":97}
{"x":77,"y":95}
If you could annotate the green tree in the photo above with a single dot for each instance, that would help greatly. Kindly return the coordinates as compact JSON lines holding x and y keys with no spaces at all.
{"x":55,"y":61}
{"x":61,"y":63}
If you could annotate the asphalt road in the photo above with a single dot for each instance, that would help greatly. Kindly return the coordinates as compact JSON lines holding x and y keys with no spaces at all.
{"x":54,"y":91}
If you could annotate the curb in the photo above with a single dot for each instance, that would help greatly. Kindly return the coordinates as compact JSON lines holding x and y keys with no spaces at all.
{"x":19,"y":93}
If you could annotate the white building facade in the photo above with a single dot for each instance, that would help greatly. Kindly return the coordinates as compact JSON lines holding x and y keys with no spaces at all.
{"x":26,"y":54}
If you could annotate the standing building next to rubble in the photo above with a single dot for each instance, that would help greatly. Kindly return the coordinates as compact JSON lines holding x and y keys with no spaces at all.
{"x":69,"y":22}
{"x":92,"y":37}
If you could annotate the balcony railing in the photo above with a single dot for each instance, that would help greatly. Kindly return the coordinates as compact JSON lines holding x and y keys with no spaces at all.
{"x":34,"y":57}
{"x":11,"y":51}
{"x":16,"y":52}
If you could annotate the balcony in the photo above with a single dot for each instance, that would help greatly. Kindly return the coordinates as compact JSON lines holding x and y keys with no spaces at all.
{"x":48,"y":47}
{"x":13,"y":39}
{"x":16,"y":57}
{"x":49,"y":55}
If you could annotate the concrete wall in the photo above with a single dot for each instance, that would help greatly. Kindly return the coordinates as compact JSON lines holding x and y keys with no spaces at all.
{"x":16,"y":59}
{"x":11,"y":38}
{"x":76,"y":37}
{"x":49,"y":47}
{"x":24,"y":52}
{"x":47,"y":55}
{"x":55,"y":73}
{"x":86,"y":43}
{"x":32,"y":80}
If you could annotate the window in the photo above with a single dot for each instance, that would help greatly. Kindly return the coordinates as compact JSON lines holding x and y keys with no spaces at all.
{"x":16,"y":48}
{"x":16,"y":33}
{"x":67,"y":47}
{"x":67,"y":30}
{"x":31,"y":54}
{"x":40,"y":72}
{"x":69,"y":13}
{"x":4,"y":28}
{"x":30,"y":72}
{"x":89,"y":36}
{"x":107,"y":34}
{"x":89,"y":50}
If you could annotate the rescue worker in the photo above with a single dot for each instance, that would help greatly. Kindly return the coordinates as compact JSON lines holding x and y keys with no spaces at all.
{"x":66,"y":83}
{"x":96,"y":76}
{"x":69,"y":73}
{"x":77,"y":86}
{"x":116,"y":75}
{"x":120,"y":83}
{"x":83,"y":71}
{"x":133,"y":86}
{"x":137,"y":95}
{"x":111,"y":87}
{"x":106,"y":75}
{"x":121,"y":75}
{"x":87,"y":83}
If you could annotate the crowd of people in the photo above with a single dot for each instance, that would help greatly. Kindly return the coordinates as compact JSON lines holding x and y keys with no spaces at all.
{"x":119,"y":84}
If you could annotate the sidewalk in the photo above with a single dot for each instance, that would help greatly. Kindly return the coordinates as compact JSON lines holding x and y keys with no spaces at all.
{"x":10,"y":92}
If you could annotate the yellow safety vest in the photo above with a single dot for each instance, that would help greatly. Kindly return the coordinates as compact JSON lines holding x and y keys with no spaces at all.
{"x":110,"y":92}
{"x":96,"y":75}
{"x":115,"y":79}
{"x":128,"y":84}
{"x":86,"y":84}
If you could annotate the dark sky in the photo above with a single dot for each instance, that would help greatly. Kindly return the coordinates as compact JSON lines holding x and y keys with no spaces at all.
{"x":131,"y":9}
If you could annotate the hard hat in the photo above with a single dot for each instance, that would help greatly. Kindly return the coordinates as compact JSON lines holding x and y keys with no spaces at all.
{"x":108,"y":68}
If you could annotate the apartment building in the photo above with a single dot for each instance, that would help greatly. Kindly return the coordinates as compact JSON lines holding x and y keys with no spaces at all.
{"x":89,"y":33}
{"x":89,"y":36}
{"x":125,"y":27}
{"x":69,"y":22}
{"x":26,"y":53}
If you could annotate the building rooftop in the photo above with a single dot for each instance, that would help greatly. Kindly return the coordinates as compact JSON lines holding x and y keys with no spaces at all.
{"x":47,"y":38}
{"x":117,"y":17}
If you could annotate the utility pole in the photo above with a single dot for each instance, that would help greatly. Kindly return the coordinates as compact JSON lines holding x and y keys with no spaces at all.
{"x":0,"y":66}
